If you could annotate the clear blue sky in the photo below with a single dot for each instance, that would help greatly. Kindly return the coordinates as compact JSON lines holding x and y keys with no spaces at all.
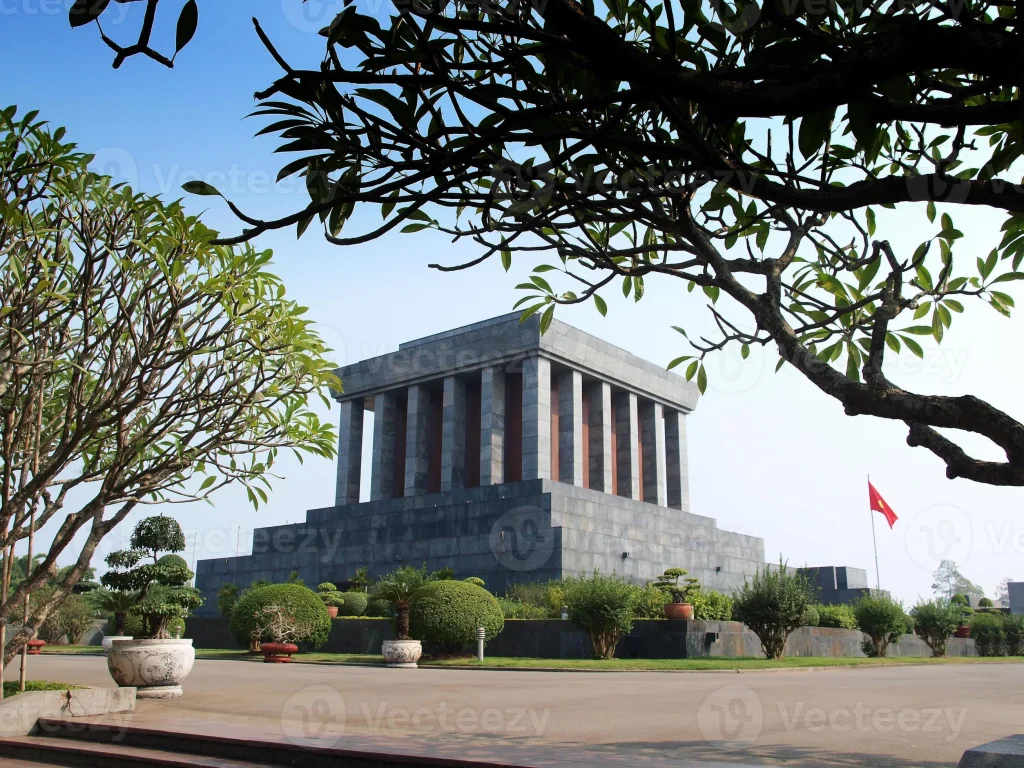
{"x":769,"y":455}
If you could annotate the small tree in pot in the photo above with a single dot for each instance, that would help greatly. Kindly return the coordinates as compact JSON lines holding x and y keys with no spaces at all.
{"x":162,"y":595}
{"x":331,"y":597}
{"x":679,"y":606}
{"x":283,"y":629}
{"x":400,"y":588}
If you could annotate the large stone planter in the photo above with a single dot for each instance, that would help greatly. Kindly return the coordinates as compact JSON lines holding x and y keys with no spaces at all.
{"x":402,"y":653}
{"x":155,"y":667}
{"x":108,"y":641}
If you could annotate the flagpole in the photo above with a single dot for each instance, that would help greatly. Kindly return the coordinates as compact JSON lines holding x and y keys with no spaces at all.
{"x":874,"y":540}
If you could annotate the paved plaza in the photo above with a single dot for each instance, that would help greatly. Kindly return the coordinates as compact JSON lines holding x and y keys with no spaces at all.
{"x":897,"y":716}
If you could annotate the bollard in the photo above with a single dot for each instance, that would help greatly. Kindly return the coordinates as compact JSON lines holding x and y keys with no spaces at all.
{"x":565,"y":612}
{"x":480,"y":633}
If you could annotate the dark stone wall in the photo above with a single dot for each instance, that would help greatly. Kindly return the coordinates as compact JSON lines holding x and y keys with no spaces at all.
{"x":650,"y":639}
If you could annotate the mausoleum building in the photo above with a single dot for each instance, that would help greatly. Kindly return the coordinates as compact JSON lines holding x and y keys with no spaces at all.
{"x":507,"y":454}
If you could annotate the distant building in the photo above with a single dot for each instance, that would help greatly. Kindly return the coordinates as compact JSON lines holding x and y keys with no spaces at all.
{"x":1016,"y":592}
{"x":839,"y":585}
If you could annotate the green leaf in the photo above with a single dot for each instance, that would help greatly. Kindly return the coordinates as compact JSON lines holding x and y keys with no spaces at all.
{"x":702,"y":379}
{"x":677,"y":361}
{"x":506,"y":260}
{"x":913,"y":346}
{"x":627,"y":285}
{"x":930,"y":210}
{"x":814,"y":130}
{"x":200,"y":188}
{"x":541,"y":283}
{"x":188,"y":22}
{"x":208,"y":482}
{"x":871,"y":222}
{"x":545,"y":319}
{"x":601,"y":306}
{"x":86,"y":11}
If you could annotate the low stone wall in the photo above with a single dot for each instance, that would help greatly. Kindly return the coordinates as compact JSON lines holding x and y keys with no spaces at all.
{"x":556,"y":639}
{"x":20,"y":714}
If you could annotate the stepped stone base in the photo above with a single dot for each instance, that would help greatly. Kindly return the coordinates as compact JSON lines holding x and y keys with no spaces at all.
{"x":527,"y":531}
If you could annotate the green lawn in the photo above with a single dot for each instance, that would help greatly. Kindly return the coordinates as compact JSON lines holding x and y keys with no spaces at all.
{"x":13,"y":687}
{"x":500,"y":662}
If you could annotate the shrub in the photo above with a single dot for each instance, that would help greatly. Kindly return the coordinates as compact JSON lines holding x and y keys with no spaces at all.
{"x":988,"y":633}
{"x":836,"y":616}
{"x":811,"y":617}
{"x":548,"y":597}
{"x":379,"y":608}
{"x":227,"y":596}
{"x":114,"y":604}
{"x":882,"y":619}
{"x":1013,"y":629}
{"x":935,"y":621}
{"x":447,"y":613}
{"x":908,"y":624}
{"x":353,"y":604}
{"x":604,"y":606}
{"x":176,"y":627}
{"x":709,"y":605}
{"x":248,"y":625}
{"x":517,"y":609}
{"x":329,"y":595}
{"x":772,"y":605}
{"x":985,"y":603}
{"x":476,"y":580}
{"x":650,"y":602}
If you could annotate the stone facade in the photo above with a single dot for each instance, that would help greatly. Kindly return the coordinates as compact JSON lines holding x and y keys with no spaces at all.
{"x":510,"y":455}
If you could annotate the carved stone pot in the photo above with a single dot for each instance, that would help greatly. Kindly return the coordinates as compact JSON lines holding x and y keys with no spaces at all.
{"x":155,"y":667}
{"x":108,"y":641}
{"x":402,"y":653}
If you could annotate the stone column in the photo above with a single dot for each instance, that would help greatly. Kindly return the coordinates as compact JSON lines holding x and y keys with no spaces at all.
{"x":350,"y":452}
{"x":675,"y":460}
{"x":626,"y":439}
{"x":382,"y":470}
{"x":570,"y":427}
{"x":417,"y":441}
{"x":453,"y":434}
{"x":492,"y":426}
{"x":536,"y":418}
{"x":652,"y":431}
{"x":601,"y":421}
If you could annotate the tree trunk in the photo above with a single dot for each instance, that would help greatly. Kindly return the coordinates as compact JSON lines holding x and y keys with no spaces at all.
{"x":402,"y":621}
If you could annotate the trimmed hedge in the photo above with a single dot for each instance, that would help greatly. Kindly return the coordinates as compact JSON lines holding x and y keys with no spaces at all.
{"x":836,"y":616}
{"x":447,"y":614}
{"x":299,"y":600}
{"x":354,"y":604}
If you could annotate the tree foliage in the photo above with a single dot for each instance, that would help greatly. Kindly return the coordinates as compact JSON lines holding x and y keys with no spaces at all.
{"x":772,"y":604}
{"x":948,"y":581}
{"x":139,"y":363}
{"x":935,"y":621}
{"x":882,"y":619}
{"x":604,"y":606}
{"x":747,"y":150}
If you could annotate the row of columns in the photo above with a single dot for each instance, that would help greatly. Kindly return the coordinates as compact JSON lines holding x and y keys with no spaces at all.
{"x":637,"y":445}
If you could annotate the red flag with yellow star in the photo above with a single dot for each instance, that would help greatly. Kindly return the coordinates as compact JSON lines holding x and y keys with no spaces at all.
{"x":878,"y":504}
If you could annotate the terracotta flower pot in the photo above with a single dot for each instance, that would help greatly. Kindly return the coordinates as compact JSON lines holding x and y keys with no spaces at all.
{"x":962,"y":631}
{"x":35,"y":647}
{"x":679,"y":611}
{"x":278,"y":653}
{"x":332,"y":611}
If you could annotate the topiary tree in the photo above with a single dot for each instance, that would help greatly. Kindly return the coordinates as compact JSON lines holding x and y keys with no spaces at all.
{"x":668,"y":583}
{"x":935,"y":621}
{"x":353,"y":604}
{"x":811,"y":617}
{"x":989,"y":634}
{"x":446,"y":615}
{"x":476,"y":580}
{"x":603,"y":606}
{"x":985,"y":603}
{"x":161,"y":587}
{"x":329,"y":595}
{"x":772,"y":604}
{"x":249,"y":620}
{"x":400,"y":588}
{"x":379,"y":608}
{"x":882,"y":619}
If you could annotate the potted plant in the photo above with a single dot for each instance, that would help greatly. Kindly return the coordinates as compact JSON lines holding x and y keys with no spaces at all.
{"x":400,"y":588}
{"x":157,"y":663}
{"x":117,"y":604}
{"x":282,"y":630}
{"x":35,"y":646}
{"x":678,"y":607}
{"x":331,"y":597}
{"x":361,"y":581}
{"x":963,"y":629}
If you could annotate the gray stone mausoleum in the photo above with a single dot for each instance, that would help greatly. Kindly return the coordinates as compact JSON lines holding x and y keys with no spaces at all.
{"x":509,"y":455}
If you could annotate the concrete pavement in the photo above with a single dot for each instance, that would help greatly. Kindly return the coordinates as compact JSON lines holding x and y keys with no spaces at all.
{"x":896,"y":716}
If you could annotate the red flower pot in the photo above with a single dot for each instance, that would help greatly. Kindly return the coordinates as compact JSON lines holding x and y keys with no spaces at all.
{"x":278,"y":653}
{"x":963,"y":631}
{"x":332,"y":611}
{"x":35,"y":647}
{"x":679,"y":611}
